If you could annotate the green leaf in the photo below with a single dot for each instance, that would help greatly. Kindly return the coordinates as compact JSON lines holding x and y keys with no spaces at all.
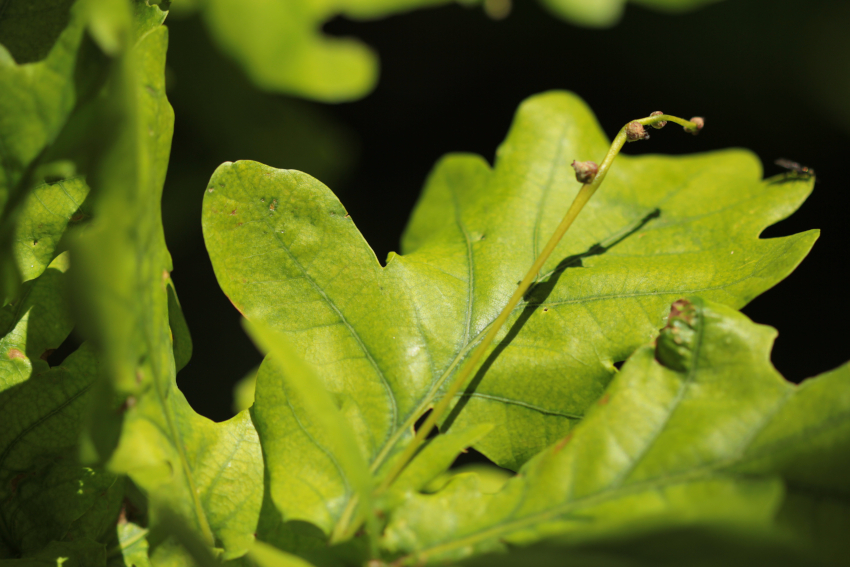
{"x":722,"y":440}
{"x":47,"y":211}
{"x":244,"y":390}
{"x":34,"y":324}
{"x":44,"y":493}
{"x":129,"y":546}
{"x":141,"y":425}
{"x":385,"y":340}
{"x":291,"y":398}
{"x":605,"y":13}
{"x":48,"y":97}
{"x":281,"y":46}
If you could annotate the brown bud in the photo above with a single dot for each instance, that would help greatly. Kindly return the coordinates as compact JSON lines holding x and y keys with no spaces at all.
{"x":635,"y":132}
{"x":585,"y":171}
{"x":658,"y":125}
{"x":699,"y":122}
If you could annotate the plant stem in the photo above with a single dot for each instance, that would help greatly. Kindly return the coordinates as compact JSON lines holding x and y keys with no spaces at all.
{"x":585,"y":193}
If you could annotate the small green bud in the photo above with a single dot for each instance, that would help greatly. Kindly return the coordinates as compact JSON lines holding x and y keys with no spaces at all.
{"x":585,"y":171}
{"x":699,"y":122}
{"x":658,"y":125}
{"x":635,"y":131}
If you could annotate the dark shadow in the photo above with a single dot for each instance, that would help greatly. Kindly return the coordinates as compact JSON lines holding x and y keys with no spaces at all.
{"x":29,"y":32}
{"x":535,"y":297}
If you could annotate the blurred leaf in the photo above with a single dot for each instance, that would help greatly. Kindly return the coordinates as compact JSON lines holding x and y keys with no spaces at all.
{"x":605,"y":13}
{"x":711,"y":444}
{"x":385,"y":340}
{"x":282,"y":48}
{"x":141,"y":425}
{"x":243,"y":391}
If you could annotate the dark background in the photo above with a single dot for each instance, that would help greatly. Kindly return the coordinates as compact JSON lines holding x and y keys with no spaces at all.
{"x":769,"y":75}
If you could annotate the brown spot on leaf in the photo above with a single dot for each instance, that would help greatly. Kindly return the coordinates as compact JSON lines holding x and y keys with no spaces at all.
{"x":233,"y":212}
{"x":16,"y":353}
{"x":603,"y":401}
{"x":46,"y":354}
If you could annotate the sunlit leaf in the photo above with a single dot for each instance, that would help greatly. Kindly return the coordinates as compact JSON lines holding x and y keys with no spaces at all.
{"x":720,"y":440}
{"x":386,"y":339}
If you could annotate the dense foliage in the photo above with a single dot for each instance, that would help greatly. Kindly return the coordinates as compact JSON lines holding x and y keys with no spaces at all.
{"x":696,"y":438}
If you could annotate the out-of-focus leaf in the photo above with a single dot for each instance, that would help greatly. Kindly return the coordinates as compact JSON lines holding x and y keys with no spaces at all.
{"x":281,"y":47}
{"x":385,"y":340}
{"x":721,"y":440}
{"x":141,"y":425}
{"x":244,"y":390}
{"x":605,"y":13}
